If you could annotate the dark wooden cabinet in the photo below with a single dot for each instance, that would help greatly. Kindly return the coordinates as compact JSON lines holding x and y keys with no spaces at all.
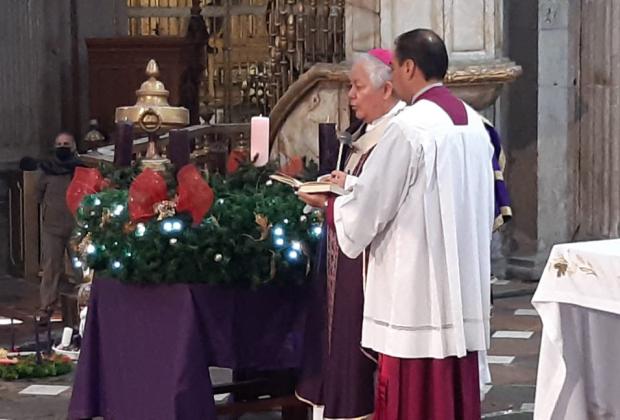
{"x":116,"y":68}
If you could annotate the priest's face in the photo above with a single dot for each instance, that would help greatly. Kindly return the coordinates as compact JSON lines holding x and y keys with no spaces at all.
{"x":401,"y":74}
{"x":367,"y":100}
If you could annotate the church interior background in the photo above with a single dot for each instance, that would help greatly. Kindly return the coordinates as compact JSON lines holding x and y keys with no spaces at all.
{"x":526,"y":65}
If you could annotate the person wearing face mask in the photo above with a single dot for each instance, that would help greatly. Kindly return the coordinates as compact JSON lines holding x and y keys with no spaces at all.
{"x":57,"y":220}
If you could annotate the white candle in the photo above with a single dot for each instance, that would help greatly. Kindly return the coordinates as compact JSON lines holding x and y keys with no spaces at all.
{"x":259,"y":140}
{"x":67,"y":334}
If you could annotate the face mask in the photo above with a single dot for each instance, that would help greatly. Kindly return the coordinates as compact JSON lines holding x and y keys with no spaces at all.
{"x":63,"y":153}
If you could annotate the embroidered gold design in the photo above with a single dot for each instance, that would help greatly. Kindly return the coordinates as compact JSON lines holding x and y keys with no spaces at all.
{"x":564,"y":267}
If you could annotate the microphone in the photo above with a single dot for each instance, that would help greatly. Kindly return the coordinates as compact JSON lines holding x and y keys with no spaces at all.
{"x":344,"y":137}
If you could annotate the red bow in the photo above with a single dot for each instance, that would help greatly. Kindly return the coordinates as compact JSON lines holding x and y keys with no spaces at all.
{"x":235,"y":159}
{"x":293,"y":167}
{"x":195,"y":194}
{"x":85,"y":181}
{"x":149,"y":188}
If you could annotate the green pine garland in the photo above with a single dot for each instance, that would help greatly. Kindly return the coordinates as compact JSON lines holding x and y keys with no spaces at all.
{"x":27,"y":367}
{"x":230,"y":247}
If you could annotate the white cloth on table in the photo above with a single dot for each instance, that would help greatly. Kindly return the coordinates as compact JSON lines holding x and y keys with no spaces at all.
{"x":578,"y":300}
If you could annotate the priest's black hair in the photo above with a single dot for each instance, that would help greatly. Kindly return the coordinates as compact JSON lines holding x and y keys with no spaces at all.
{"x":426,"y":49}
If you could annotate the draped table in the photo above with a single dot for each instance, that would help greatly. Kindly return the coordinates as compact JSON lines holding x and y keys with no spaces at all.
{"x":147,"y":349}
{"x":578,"y":300}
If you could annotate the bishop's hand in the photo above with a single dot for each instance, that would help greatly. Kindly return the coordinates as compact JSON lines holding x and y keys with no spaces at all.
{"x":316,"y":200}
{"x":338,"y":177}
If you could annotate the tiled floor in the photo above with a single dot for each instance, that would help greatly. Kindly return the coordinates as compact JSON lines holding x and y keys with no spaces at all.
{"x":516,"y":338}
{"x":515,"y":342}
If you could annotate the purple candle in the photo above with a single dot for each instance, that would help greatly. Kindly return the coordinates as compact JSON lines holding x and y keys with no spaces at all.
{"x":123,"y":144}
{"x":178,"y":148}
{"x":328,"y":148}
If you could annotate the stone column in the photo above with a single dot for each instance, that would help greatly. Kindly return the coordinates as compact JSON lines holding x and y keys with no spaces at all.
{"x":472,"y":29}
{"x":518,"y":124}
{"x":558,"y":46}
{"x":363,"y":26}
{"x":551,"y":207}
{"x":473,"y":33}
{"x":598,"y":198}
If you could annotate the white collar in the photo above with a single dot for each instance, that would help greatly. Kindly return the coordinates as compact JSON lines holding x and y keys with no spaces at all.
{"x":395,"y":109}
{"x":424,"y":90}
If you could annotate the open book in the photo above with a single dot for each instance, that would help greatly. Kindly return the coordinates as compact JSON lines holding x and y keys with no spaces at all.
{"x":310,"y":187}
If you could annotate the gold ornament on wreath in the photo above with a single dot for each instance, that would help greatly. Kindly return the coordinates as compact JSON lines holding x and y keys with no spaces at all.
{"x":165,"y":209}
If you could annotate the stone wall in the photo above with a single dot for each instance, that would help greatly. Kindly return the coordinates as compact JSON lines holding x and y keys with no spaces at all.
{"x":598,"y":107}
{"x":575,"y":154}
{"x":472,"y":29}
{"x":363,"y":26}
{"x":518,"y":125}
{"x":43,"y":77}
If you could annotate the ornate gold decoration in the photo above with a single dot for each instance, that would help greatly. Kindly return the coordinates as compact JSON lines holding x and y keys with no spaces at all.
{"x":263,"y":223}
{"x":264,"y":227}
{"x":485,"y":73}
{"x":165,"y":209}
{"x":563,"y":266}
{"x":94,"y":138}
{"x":83,"y":244}
{"x":129,"y":227}
{"x":152,"y":113}
{"x":106,"y":216}
{"x":302,"y":33}
{"x":83,"y":295}
{"x":88,"y":275}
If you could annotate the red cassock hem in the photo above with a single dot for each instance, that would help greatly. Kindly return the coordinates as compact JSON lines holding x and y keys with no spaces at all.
{"x":428,"y":389}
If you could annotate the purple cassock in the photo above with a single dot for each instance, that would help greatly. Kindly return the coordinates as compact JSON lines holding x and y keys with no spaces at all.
{"x":503,"y":212}
{"x":336,"y":373}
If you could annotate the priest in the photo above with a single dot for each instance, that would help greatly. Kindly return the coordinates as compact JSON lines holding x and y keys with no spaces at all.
{"x":424,"y":204}
{"x":338,"y":376}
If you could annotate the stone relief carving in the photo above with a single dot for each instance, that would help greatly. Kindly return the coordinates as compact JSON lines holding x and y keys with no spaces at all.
{"x":363,"y":26}
{"x":299,"y":133}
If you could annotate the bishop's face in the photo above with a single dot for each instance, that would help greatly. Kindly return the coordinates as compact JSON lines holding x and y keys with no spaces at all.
{"x":365,"y":99}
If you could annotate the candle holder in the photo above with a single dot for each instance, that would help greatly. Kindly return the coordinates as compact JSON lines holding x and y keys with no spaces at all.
{"x":328,"y":148}
{"x":216,"y":151}
{"x":94,"y":138}
{"x":153,"y":115}
{"x":241,"y":145}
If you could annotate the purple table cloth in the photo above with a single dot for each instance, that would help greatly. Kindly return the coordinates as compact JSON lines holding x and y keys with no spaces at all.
{"x":147,"y":349}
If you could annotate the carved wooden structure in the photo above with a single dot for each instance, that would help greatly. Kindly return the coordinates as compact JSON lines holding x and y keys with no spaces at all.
{"x":116,"y":69}
{"x":255,"y":48}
